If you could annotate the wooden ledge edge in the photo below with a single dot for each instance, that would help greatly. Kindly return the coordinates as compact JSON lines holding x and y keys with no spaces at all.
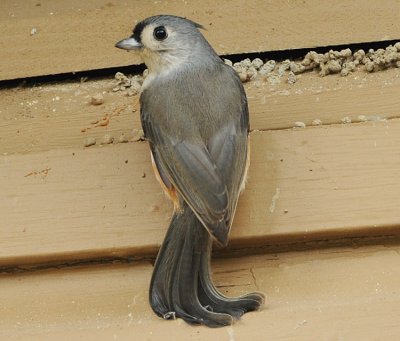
{"x":238,"y":247}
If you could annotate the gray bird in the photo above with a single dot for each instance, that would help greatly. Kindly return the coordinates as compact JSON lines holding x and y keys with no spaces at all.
{"x":194,"y":114}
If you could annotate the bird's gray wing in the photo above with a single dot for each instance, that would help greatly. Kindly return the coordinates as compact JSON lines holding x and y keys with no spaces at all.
{"x":228,"y":148}
{"x":189,"y":167}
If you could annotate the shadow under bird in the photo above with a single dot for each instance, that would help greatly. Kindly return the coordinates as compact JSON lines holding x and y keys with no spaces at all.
{"x":195,"y":117}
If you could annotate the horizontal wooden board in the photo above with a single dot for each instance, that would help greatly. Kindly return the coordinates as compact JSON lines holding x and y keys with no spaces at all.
{"x":74,"y":35}
{"x":305,"y":184}
{"x":54,"y":116}
{"x":333,"y":294}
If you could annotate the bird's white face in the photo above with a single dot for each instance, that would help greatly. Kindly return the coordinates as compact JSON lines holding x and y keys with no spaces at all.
{"x":161,"y":51}
{"x":157,"y":37}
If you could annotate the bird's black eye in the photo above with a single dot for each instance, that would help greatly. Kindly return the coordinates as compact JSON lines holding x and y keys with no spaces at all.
{"x":160,"y":33}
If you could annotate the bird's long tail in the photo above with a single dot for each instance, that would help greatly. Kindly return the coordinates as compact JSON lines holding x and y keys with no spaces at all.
{"x":181,"y":285}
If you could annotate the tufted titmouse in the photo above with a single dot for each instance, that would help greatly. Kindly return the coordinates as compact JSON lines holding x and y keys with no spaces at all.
{"x":194,"y":114}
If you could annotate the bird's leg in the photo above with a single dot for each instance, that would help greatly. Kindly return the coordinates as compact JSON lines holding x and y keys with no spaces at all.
{"x":181,"y":285}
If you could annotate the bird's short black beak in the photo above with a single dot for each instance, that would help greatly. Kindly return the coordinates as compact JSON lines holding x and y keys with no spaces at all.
{"x":129,"y":44}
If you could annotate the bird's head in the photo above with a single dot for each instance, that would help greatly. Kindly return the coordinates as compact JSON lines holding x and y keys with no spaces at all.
{"x":166,"y":41}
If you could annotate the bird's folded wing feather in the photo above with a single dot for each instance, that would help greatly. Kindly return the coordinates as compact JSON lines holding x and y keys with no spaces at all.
{"x":189,"y":167}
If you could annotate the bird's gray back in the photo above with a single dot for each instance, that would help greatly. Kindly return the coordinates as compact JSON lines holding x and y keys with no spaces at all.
{"x":208,"y":96}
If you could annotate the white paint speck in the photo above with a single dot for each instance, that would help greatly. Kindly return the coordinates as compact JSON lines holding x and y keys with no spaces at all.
{"x":231,"y":334}
{"x":299,"y":125}
{"x":274,"y":199}
{"x":301,"y":323}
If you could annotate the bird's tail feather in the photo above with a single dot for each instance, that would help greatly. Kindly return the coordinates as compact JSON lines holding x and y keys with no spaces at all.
{"x":181,"y":285}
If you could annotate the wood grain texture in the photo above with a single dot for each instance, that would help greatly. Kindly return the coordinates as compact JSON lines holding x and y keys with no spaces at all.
{"x":350,"y":294}
{"x":62,"y":202}
{"x":57,"y":116}
{"x":305,"y":184}
{"x":75,"y":35}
